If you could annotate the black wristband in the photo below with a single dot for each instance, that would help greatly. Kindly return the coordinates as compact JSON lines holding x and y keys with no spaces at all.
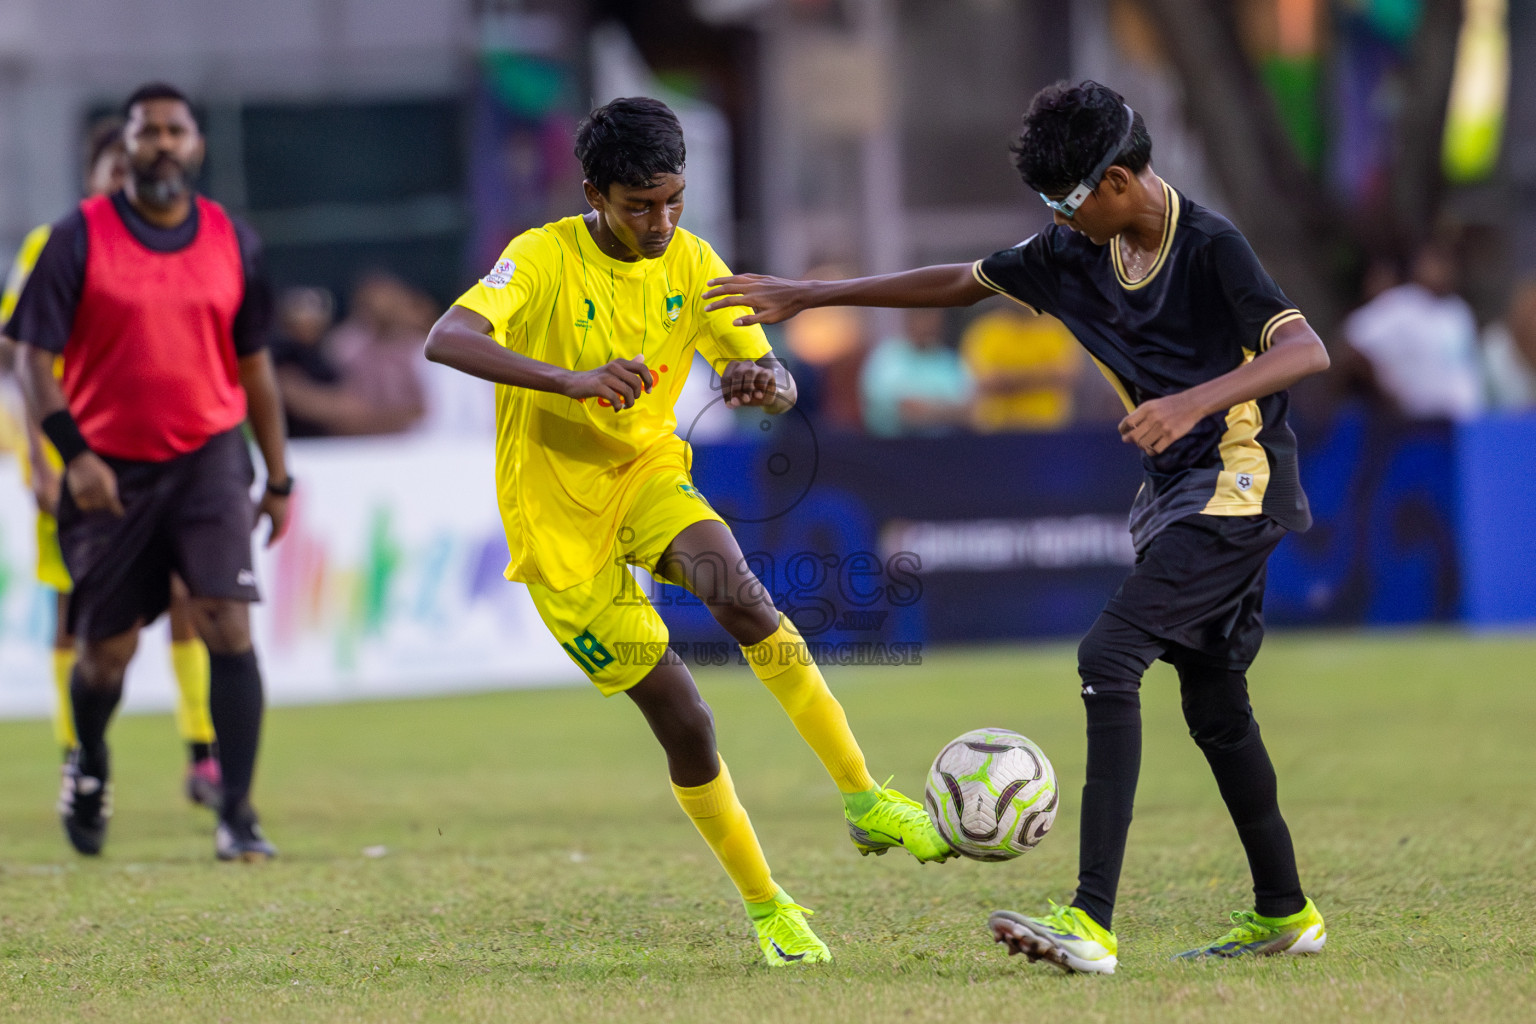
{"x":60,"y":428}
{"x":280,"y":490}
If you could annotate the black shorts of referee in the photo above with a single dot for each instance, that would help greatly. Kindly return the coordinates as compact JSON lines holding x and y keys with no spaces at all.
{"x":191,"y":515}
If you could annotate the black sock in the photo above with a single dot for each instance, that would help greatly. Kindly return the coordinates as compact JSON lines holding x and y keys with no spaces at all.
{"x":236,"y":704}
{"x":1248,"y":786}
{"x":1114,"y":762}
{"x":199,"y":751}
{"x":93,"y":707}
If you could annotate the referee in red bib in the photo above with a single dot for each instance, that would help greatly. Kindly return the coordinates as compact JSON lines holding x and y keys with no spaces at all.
{"x":156,"y":299}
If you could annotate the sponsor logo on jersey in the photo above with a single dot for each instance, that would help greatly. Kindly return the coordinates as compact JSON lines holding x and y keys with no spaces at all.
{"x":591,"y":314}
{"x":500,"y":275}
{"x":656,"y":372}
{"x":1244,"y":481}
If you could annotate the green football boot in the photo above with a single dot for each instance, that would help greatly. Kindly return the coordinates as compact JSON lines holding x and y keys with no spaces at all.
{"x":783,"y":935}
{"x":1255,"y":935}
{"x":897,"y":820}
{"x":1066,"y":937}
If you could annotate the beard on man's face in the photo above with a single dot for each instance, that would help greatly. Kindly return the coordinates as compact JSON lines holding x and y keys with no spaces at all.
{"x":163,"y":181}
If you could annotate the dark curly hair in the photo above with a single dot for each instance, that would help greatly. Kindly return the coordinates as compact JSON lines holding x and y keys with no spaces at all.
{"x":159,"y":91}
{"x":632,"y":141}
{"x":1068,"y":130}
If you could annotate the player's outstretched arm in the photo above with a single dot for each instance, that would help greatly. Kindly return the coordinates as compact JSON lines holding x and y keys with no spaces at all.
{"x":1295,"y":352}
{"x":774,"y":299}
{"x":461,"y":338}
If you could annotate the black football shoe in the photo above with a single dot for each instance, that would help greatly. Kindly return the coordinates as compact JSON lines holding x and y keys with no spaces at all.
{"x":240,"y":838}
{"x":85,"y":804}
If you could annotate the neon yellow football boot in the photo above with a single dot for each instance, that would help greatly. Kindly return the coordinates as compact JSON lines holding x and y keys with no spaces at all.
{"x":782,"y":934}
{"x":1066,"y":937}
{"x":896,"y":820}
{"x":1255,"y":935}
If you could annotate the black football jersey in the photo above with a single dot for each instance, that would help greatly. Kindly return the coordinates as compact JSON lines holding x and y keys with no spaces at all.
{"x":1204,"y":308}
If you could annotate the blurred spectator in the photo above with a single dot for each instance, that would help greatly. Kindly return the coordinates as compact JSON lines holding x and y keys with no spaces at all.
{"x":916,"y":384}
{"x":1026,"y":368}
{"x":1381,"y":274}
{"x":827,"y":348}
{"x":377,"y":349}
{"x":1509,"y":352}
{"x":305,"y":377}
{"x":317,"y":400}
{"x":1420,"y":341}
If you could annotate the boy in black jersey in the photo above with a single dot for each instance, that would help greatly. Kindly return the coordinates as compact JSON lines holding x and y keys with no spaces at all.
{"x":1174,"y":308}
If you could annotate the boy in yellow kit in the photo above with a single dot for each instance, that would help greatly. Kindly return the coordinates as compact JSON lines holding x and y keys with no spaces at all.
{"x":588,"y":326}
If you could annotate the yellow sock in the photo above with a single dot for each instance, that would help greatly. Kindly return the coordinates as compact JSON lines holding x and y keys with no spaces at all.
{"x":784,"y":664}
{"x":189,"y":660}
{"x":64,"y":709}
{"x":724,"y":824}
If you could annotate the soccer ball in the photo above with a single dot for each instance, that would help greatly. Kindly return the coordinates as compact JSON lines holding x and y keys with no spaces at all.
{"x":992,"y":794}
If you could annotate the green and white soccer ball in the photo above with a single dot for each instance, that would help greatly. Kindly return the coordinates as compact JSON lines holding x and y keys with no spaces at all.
{"x":992,"y":794}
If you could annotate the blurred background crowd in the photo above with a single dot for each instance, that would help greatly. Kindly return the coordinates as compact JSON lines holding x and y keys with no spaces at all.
{"x":386,"y":150}
{"x":1378,"y":154}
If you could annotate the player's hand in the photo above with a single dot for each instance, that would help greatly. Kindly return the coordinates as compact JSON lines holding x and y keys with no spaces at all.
{"x":745,"y":383}
{"x":620,"y":383}
{"x":92,"y":484}
{"x":46,"y":483}
{"x":772,"y":298}
{"x":1158,"y":423}
{"x":275,"y":508}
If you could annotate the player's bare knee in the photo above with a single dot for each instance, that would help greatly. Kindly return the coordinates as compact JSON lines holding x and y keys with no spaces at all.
{"x":225,"y":626}
{"x":747,"y":624}
{"x":694,"y":725}
{"x":685,"y":728}
{"x":103,"y":663}
{"x":745,"y":610}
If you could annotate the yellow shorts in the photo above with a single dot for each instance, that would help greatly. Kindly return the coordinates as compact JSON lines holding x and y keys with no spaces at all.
{"x":607,"y":624}
{"x":51,"y":571}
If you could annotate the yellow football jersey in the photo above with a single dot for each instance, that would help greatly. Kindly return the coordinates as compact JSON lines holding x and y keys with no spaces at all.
{"x":13,"y":432}
{"x":15,"y":281}
{"x":567,"y":470}
{"x":26,"y":259}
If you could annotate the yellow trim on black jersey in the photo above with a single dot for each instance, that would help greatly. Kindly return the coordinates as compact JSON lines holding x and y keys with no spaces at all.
{"x":987,"y":282}
{"x":1243,"y":460}
{"x":1114,"y":382}
{"x":1170,"y":224}
{"x":1267,"y":335}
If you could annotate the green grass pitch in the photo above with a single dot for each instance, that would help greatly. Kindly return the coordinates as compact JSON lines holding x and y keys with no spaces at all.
{"x":537,"y":868}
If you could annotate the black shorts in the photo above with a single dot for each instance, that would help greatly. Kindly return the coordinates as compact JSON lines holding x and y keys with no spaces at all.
{"x":191,"y":515}
{"x":1200,"y":584}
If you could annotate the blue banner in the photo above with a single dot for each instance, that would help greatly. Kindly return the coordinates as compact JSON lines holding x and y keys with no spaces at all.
{"x":876,"y":542}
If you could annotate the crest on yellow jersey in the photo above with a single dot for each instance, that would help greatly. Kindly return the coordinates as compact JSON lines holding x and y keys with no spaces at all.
{"x":673,"y":309}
